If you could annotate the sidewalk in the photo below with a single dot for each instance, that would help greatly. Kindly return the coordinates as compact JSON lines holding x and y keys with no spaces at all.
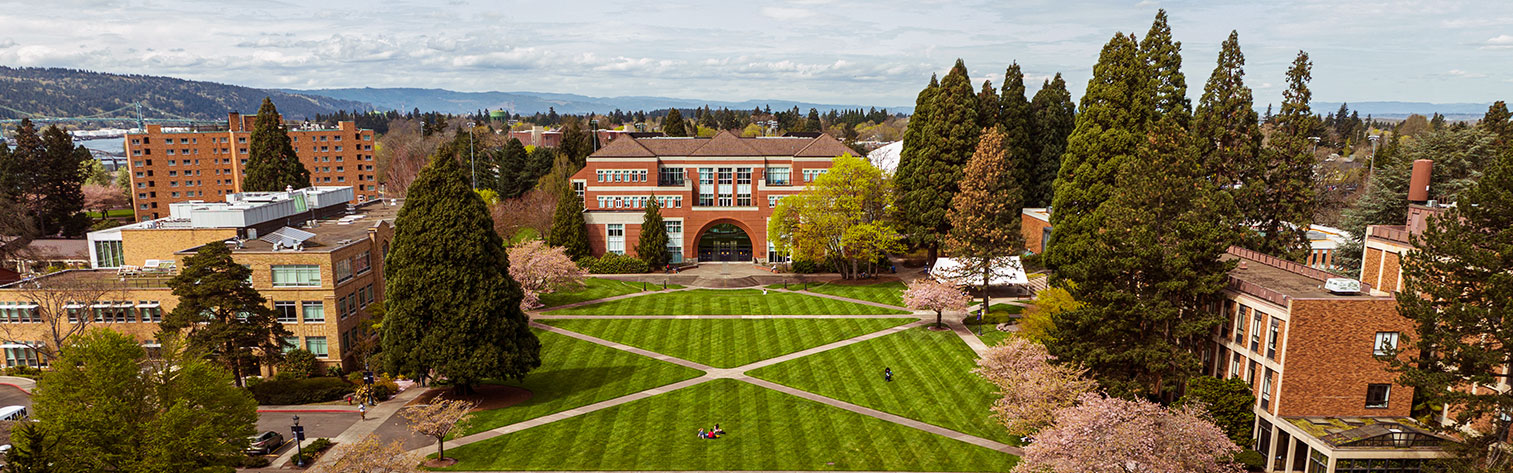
{"x":377,"y":415}
{"x":26,"y":385}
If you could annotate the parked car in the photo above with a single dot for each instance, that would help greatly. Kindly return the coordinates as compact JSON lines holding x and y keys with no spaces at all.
{"x":14,"y":413}
{"x":265,"y":443}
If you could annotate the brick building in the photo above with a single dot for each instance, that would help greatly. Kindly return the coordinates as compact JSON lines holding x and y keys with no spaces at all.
{"x":170,"y":165}
{"x":1323,"y":242}
{"x":320,"y":277}
{"x":716,"y":193}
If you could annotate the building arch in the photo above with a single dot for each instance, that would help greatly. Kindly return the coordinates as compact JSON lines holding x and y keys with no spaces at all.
{"x":725,"y":239}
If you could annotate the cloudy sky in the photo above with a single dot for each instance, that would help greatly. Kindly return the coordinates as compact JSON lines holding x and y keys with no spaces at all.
{"x":863,"y":52}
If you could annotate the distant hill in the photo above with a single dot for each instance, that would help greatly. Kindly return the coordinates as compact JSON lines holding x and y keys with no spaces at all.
{"x":55,"y":92}
{"x":1398,"y":110}
{"x":442,"y":100}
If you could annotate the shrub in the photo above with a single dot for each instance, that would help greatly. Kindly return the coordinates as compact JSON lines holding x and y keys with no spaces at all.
{"x":300,"y":391}
{"x":315,"y":446}
{"x":1253,"y":460}
{"x":806,"y":267}
{"x":612,"y":263}
{"x":254,"y":461}
{"x":299,"y":363}
{"x":24,"y":372}
{"x":251,"y":381}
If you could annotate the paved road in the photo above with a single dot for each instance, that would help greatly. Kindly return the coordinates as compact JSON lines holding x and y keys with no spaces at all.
{"x":317,"y":424}
{"x":11,"y":396}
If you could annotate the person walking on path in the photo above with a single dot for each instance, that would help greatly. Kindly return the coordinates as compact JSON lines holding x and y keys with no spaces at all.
{"x":888,"y":374}
{"x":362,"y":410}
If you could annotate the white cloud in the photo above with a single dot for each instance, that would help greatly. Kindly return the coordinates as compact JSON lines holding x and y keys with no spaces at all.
{"x":1464,"y":74}
{"x":1503,"y":41}
{"x":786,"y":14}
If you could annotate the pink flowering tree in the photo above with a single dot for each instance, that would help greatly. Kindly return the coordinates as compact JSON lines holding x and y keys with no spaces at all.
{"x":540,"y":268}
{"x":928,"y":294}
{"x":1110,"y":435}
{"x":1030,"y":388}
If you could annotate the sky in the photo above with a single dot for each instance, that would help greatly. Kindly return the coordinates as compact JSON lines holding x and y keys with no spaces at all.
{"x":840,"y":52}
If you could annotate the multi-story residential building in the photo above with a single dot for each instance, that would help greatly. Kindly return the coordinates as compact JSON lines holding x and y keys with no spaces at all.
{"x":716,"y":193}
{"x":315,"y":257}
{"x":170,"y":165}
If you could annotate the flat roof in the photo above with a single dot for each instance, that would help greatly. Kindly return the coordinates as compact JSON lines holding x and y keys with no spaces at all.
{"x":1285,"y":277}
{"x":332,"y":233}
{"x":97,"y":276}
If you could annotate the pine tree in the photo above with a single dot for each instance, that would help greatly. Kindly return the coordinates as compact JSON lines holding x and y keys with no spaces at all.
{"x":1226,"y":127}
{"x":1054,"y":116}
{"x":911,"y":159}
{"x":569,"y":230}
{"x":987,"y":105}
{"x":1456,"y":290}
{"x":1111,"y":123}
{"x":576,"y":144}
{"x":272,"y":164}
{"x":1017,"y":121}
{"x":812,"y":123}
{"x":985,"y":213}
{"x":673,"y":125}
{"x":224,"y":315}
{"x":1382,"y":204}
{"x":1163,"y":57}
{"x":1279,"y":203}
{"x":451,"y":305}
{"x":950,"y":138}
{"x":1143,"y":318}
{"x":513,"y":180}
{"x":58,"y":181}
{"x":1497,"y":121}
{"x":652,"y":245}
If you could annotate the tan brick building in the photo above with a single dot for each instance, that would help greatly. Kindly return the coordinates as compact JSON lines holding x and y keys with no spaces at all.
{"x":170,"y":165}
{"x":317,"y":259}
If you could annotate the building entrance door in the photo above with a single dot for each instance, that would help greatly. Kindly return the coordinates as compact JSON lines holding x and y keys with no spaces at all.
{"x":724,"y":242}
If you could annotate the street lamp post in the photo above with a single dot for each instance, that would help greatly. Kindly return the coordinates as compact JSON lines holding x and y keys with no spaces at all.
{"x":299,"y":434}
{"x":1371,"y":166}
{"x":1315,"y":140}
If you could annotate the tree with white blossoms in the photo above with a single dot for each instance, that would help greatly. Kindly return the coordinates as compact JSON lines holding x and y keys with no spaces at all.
{"x":438,"y":419}
{"x":1030,"y":387}
{"x":540,"y":268}
{"x":928,"y":294}
{"x":1110,"y":435}
{"x":370,"y":455}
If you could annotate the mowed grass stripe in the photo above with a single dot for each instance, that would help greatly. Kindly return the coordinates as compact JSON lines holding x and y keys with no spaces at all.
{"x":727,"y":302}
{"x":593,"y":288}
{"x":891,"y":293}
{"x":725,"y":343}
{"x":768,"y":431}
{"x":575,"y":373}
{"x":932,"y":380}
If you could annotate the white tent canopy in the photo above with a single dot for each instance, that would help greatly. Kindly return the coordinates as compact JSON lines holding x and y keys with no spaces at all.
{"x":1009,"y":272}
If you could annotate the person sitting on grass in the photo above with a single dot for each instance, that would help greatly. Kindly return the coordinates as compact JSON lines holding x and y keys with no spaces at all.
{"x":717,"y":430}
{"x":703,"y":435}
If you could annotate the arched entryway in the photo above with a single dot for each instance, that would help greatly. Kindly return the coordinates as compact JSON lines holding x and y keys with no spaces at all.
{"x":724,"y":242}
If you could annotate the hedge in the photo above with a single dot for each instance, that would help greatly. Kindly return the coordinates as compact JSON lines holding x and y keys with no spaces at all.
{"x":612,"y":263}
{"x":301,"y":391}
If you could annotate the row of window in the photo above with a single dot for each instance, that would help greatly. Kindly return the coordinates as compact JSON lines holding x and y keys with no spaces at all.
{"x":357,"y":264}
{"x":621,"y":175}
{"x":638,"y":201}
{"x":315,"y":345}
{"x":289,"y":312}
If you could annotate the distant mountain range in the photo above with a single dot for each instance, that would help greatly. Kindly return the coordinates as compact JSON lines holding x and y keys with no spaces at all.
{"x":442,"y":100}
{"x":1395,"y":110}
{"x":59,"y":93}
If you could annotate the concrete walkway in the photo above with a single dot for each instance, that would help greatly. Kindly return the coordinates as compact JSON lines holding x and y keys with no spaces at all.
{"x":377,"y":415}
{"x":739,"y":373}
{"x":26,"y":385}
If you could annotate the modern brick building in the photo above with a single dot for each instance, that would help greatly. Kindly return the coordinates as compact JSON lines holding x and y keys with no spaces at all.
{"x":315,"y":257}
{"x":170,"y":165}
{"x":716,"y":193}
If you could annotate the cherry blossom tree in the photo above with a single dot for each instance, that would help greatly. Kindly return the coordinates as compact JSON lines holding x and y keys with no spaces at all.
{"x":438,"y":419}
{"x":1110,"y":435}
{"x":103,"y":198}
{"x":928,"y":294}
{"x":1030,"y":387}
{"x":541,"y":268}
{"x":370,"y":455}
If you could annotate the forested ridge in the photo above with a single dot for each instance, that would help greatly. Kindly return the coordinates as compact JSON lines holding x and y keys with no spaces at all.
{"x":58,"y":92}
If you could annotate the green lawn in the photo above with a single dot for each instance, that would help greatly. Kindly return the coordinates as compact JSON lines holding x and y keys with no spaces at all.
{"x":991,"y":336}
{"x":891,"y":293}
{"x":726,"y":302}
{"x":725,"y":343}
{"x":997,"y":314}
{"x":576,"y":373}
{"x":597,"y":288}
{"x":768,"y":430}
{"x":932,"y":380}
{"x":117,"y":213}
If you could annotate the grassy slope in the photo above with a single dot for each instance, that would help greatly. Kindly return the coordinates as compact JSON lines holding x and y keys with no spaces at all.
{"x":726,"y":302}
{"x":726,"y":343}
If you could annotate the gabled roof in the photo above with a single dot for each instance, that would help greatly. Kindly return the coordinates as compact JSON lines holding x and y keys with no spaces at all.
{"x":824,"y":146}
{"x":625,"y":148}
{"x":725,"y":144}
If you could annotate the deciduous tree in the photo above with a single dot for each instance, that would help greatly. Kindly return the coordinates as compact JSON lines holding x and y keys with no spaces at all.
{"x":929,"y":294}
{"x":840,"y":218}
{"x":1039,"y":321}
{"x":1032,"y":386}
{"x":985,"y":213}
{"x":222,"y":315}
{"x":451,"y":305}
{"x":438,"y":419}
{"x":1111,"y":435}
{"x":540,"y":269}
{"x":62,"y":310}
{"x":272,"y":163}
{"x":371,"y":455}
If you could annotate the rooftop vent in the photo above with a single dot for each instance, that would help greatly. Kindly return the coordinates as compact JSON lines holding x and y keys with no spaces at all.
{"x":1343,"y":286}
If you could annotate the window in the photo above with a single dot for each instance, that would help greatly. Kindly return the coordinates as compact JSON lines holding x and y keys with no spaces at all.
{"x":343,"y":270}
{"x":108,"y":254}
{"x":370,"y":295}
{"x":296,"y":275}
{"x":1255,"y":332}
{"x":670,"y":176}
{"x":1266,"y":391}
{"x":151,"y":311}
{"x":362,"y":262}
{"x":743,"y":187}
{"x":316,"y":345}
{"x":1271,"y":338}
{"x":1376,"y":395}
{"x":580,"y":188}
{"x":1386,"y":343}
{"x":772,"y":201}
{"x":22,"y":354}
{"x":315,"y":311}
{"x":706,"y":187}
{"x":288,"y":311}
{"x":616,"y":238}
{"x":1240,"y":316}
{"x":778,"y":176}
{"x":290,"y":343}
{"x":599,"y":174}
{"x":341,"y":307}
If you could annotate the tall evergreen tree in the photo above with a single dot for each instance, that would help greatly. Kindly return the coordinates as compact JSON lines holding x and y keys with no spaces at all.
{"x":1143,"y":318}
{"x":673,"y":125}
{"x":812,"y":123}
{"x":1115,"y":113}
{"x":1054,"y":117}
{"x":1456,"y":289}
{"x":513,"y":179}
{"x":1498,"y":122}
{"x":1163,"y":56}
{"x":451,"y":304}
{"x":224,"y":316}
{"x":43,"y":174}
{"x":911,"y":159}
{"x":985,"y":213}
{"x":569,"y":230}
{"x":1017,"y":121}
{"x":987,"y":105}
{"x":1384,"y":203}
{"x":272,"y":164}
{"x":1227,"y":131}
{"x":950,"y":138}
{"x":576,"y":144}
{"x":1280,"y":202}
{"x":652,"y":245}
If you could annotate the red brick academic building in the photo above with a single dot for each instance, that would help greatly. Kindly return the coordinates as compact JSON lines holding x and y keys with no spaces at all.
{"x":716,"y":193}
